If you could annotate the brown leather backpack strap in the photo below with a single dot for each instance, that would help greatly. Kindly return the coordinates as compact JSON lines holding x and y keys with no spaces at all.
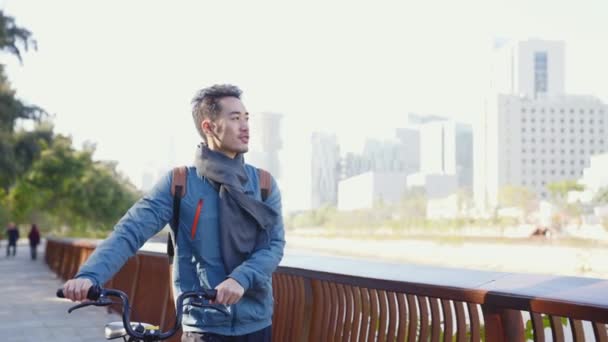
{"x":265,"y":183}
{"x":179,"y":181}
{"x":178,"y":190}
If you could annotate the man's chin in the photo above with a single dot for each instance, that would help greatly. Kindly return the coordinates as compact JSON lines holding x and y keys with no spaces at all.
{"x":243,"y":149}
{"x":240,"y":148}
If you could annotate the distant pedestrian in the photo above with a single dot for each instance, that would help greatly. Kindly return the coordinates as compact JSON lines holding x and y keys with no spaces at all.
{"x":34,"y":237}
{"x":12,"y":235}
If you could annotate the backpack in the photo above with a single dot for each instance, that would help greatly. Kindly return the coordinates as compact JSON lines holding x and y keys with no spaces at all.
{"x":178,"y":190}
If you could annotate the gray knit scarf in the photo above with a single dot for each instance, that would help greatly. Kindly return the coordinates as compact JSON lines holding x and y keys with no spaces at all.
{"x":244,"y":222}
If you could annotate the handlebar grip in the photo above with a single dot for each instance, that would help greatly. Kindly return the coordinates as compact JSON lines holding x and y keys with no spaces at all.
{"x":210,"y":294}
{"x":93,"y":294}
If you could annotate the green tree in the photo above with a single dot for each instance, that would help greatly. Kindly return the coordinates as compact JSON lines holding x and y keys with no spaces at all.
{"x":12,"y":37}
{"x":77,"y":192}
{"x":13,"y":109}
{"x":559,"y":194}
{"x":601,"y":197}
{"x":41,"y":175}
{"x":559,"y":190}
{"x":413,"y":204}
{"x":19,"y":151}
{"x":312,"y":218}
{"x":4,"y":212}
{"x":516,"y":196}
{"x":16,"y":151}
{"x":465,"y":199}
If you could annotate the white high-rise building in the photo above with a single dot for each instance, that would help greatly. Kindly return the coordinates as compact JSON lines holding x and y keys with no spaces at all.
{"x":532,"y":68}
{"x":266,"y":142}
{"x":325,"y":170}
{"x":413,"y":119}
{"x":595,"y":176}
{"x":409,"y":141}
{"x":353,"y":164}
{"x":594,"y":179}
{"x":395,"y":155}
{"x":446,"y":147}
{"x":434,"y":185}
{"x":536,"y":134}
{"x":367,"y":189}
{"x":386,"y":156}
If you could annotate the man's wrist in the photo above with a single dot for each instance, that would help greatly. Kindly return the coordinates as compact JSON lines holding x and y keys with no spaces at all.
{"x":93,"y":281}
{"x":240,"y":280}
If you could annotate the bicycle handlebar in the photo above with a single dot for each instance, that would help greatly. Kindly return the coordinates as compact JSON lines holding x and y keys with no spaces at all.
{"x":98,"y":294}
{"x":93,"y":294}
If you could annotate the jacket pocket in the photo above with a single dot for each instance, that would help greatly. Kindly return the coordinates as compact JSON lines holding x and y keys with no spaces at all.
{"x":256,"y":304}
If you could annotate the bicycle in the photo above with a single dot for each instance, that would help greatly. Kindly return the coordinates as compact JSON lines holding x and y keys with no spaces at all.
{"x":140,"y":331}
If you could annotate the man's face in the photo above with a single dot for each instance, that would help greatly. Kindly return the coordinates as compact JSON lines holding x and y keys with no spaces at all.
{"x":230,"y":131}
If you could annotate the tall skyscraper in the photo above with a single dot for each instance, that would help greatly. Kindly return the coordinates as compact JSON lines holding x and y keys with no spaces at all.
{"x":413,"y":119}
{"x":353,"y":164}
{"x":384,"y":156}
{"x":532,"y":68}
{"x":536,"y":134}
{"x":446,"y":147}
{"x":266,"y":142}
{"x":396,"y":155}
{"x":409,"y":147}
{"x":325,"y":170}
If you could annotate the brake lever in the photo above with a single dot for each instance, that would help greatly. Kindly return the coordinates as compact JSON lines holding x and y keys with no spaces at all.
{"x":100,"y":302}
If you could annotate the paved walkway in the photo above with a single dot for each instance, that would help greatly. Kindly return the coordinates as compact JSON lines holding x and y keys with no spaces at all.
{"x":29,"y":310}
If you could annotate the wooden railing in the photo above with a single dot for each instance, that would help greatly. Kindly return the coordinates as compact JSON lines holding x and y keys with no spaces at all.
{"x":332,"y":299}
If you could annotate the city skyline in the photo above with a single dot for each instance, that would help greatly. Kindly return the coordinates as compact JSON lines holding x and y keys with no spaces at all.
{"x":534,"y":133}
{"x":357,"y":79}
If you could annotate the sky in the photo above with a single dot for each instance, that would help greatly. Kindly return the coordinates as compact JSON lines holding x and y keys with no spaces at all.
{"x":121,"y":74}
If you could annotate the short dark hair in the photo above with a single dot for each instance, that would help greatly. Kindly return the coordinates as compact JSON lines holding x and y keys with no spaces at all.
{"x":205,"y":103}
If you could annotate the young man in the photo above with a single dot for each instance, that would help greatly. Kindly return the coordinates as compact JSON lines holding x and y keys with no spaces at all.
{"x":228,"y":239}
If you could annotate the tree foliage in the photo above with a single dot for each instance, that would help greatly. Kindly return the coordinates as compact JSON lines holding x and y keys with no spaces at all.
{"x":41,"y":175}
{"x":601,"y":197}
{"x":516,"y":196}
{"x":12,"y":37}
{"x":17,"y":150}
{"x":559,"y":190}
{"x":74,"y":189}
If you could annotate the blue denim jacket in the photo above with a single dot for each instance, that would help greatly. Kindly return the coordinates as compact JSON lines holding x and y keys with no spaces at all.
{"x":198,"y":262}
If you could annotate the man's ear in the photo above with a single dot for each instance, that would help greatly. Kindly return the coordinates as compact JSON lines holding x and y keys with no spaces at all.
{"x":207,"y":127}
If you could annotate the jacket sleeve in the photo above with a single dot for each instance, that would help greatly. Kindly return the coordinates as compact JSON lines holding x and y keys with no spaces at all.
{"x":259,"y":267}
{"x":143,"y":220}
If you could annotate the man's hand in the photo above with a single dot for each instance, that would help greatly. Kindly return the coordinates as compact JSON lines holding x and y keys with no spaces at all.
{"x":77,"y":289}
{"x":228,"y":292}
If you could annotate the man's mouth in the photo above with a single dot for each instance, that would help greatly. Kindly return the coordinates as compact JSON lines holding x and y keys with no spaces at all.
{"x":244,"y":139}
